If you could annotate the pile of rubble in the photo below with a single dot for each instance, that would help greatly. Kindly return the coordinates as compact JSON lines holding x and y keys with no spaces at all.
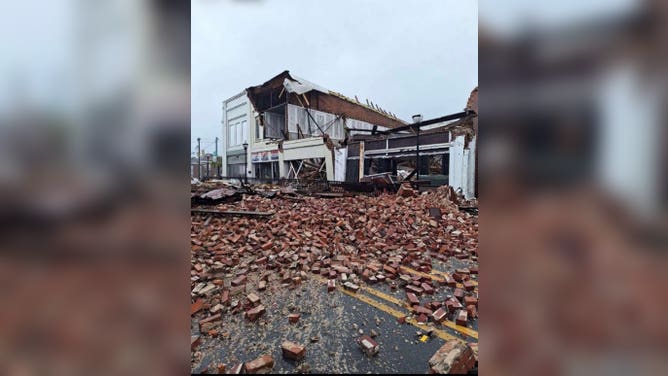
{"x":352,"y":241}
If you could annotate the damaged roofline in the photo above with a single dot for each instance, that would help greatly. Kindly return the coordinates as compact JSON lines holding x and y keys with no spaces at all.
{"x":458,"y":115}
{"x":278,"y":81}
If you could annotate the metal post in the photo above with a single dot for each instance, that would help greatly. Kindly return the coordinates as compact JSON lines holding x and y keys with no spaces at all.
{"x":199,"y":161}
{"x":217,"y":165}
{"x":417,"y":149}
{"x":208,"y":163}
{"x":245,"y":163}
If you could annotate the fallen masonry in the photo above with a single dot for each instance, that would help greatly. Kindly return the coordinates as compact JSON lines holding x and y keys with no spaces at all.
{"x":364,"y":244}
{"x":293,"y":351}
{"x":263,"y":364}
{"x":368,"y":345}
{"x":454,"y":357}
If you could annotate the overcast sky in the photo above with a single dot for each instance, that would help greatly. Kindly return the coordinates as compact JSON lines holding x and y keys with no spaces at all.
{"x":406,"y":56}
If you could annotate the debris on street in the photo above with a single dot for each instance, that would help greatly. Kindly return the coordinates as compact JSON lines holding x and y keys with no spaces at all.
{"x":317,"y":266}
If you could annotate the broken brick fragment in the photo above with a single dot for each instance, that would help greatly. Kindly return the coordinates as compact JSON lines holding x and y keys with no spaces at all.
{"x":239,"y":280}
{"x":470,"y":300}
{"x":293,"y":317}
{"x":439,"y":315}
{"x":293,"y":351}
{"x":263,"y":364}
{"x":414,"y":289}
{"x":351,"y":286}
{"x":194,"y":341}
{"x":196,"y":306}
{"x":253,"y":299}
{"x":253,"y":314}
{"x":427,"y":288}
{"x":469,"y":285}
{"x":412,"y":299}
{"x":462,"y":318}
{"x":472,"y":311}
{"x":368,"y":345}
{"x":454,"y":357}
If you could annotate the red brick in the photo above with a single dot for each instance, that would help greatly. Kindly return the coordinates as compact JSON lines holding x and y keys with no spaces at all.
{"x":459,"y":293}
{"x":194,"y":341}
{"x":406,"y":191}
{"x":263,"y":364}
{"x":414,"y":289}
{"x":427,"y":289}
{"x":401,"y":319}
{"x":351,"y":286}
{"x":254,"y":313}
{"x":239,"y":280}
{"x":196,"y":306}
{"x":472,"y":311}
{"x":454,"y":357}
{"x":423,"y":310}
{"x":221,"y":368}
{"x":422,"y":318}
{"x":262,"y":285}
{"x":368,"y":345}
{"x":253,"y":299}
{"x":293,"y":350}
{"x":412,"y":299}
{"x":469,"y":285}
{"x":267,"y":245}
{"x":293,"y":317}
{"x":462,"y":317}
{"x":331,"y":285}
{"x":450,"y":281}
{"x":390,"y":270}
{"x":261,"y":260}
{"x":439,"y":315}
{"x":470,"y":300}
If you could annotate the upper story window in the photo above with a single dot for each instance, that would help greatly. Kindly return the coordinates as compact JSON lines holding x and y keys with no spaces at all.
{"x":237,"y":132}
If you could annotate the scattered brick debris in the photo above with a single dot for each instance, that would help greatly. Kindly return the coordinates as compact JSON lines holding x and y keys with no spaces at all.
{"x":454,"y":357}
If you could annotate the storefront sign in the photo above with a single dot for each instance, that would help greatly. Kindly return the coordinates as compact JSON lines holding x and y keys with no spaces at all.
{"x":264,"y":156}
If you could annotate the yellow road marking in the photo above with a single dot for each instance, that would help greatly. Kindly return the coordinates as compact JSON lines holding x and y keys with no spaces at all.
{"x":444,"y":274}
{"x":421,"y":274}
{"x":389,"y":310}
{"x":462,"y":329}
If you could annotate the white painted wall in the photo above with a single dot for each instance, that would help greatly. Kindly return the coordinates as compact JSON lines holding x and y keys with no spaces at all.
{"x":238,"y":117}
{"x":462,"y":166}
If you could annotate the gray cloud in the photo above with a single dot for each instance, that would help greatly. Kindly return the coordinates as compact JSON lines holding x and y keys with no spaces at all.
{"x":406,"y":56}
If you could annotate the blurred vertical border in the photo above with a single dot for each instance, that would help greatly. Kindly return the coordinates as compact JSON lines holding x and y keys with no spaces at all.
{"x":94,"y":175}
{"x":574,"y":188}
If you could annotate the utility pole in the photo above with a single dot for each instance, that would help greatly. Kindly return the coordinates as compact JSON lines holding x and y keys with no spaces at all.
{"x":199,"y":162}
{"x":417,"y":120}
{"x":216,"y":156}
{"x":208,"y":156}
